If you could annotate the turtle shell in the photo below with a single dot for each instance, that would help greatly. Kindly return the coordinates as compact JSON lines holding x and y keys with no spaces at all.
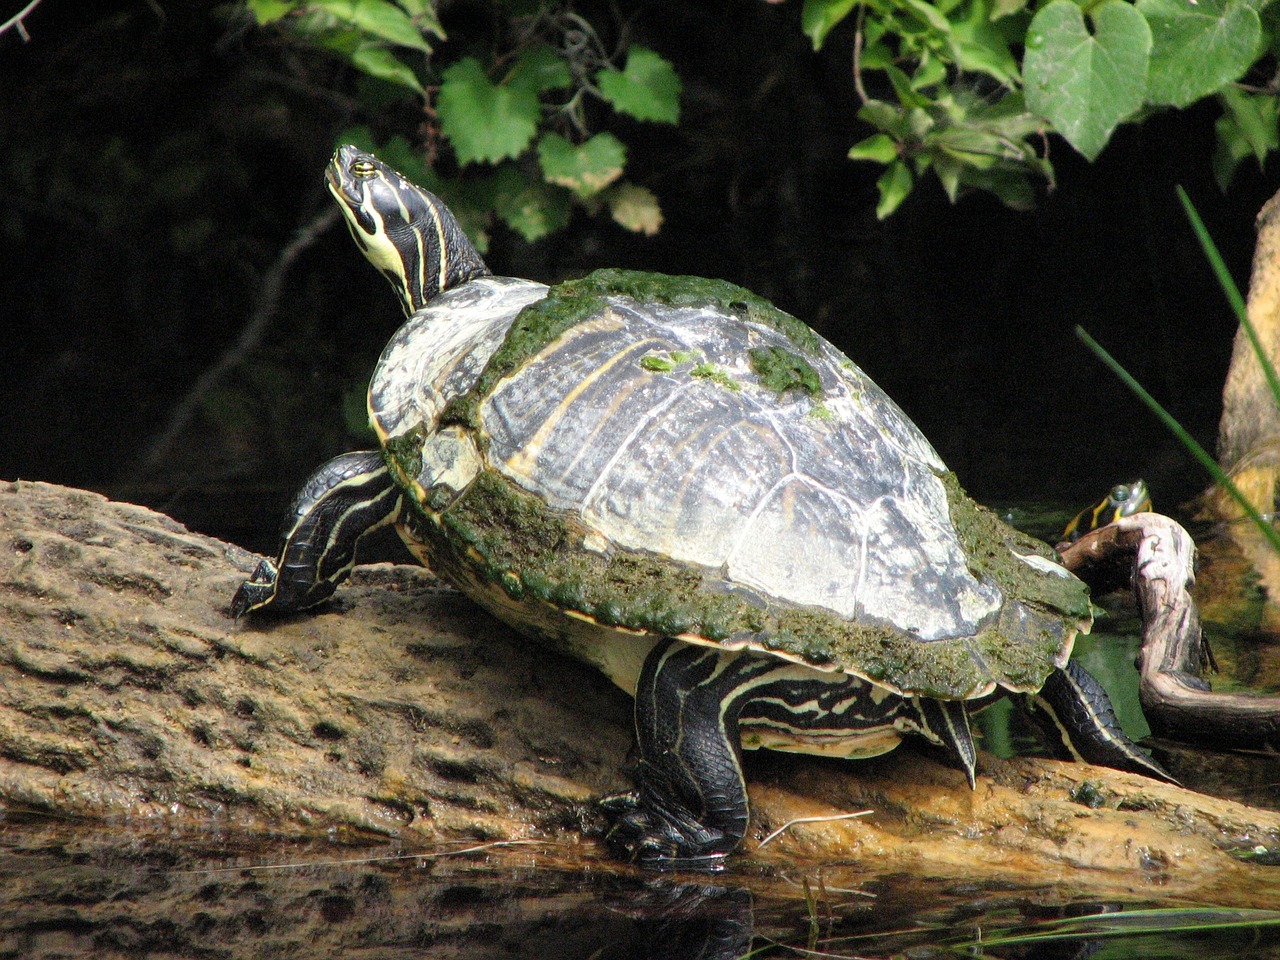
{"x":631,"y":456}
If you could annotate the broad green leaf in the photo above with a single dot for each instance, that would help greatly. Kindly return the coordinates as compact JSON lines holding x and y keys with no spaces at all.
{"x":1086,"y":84}
{"x":540,"y":68}
{"x":894,"y":186}
{"x":817,"y":17}
{"x":531,"y":208}
{"x":585,"y":169}
{"x":1198,"y":48}
{"x":268,"y":11}
{"x":635,"y":208}
{"x":377,"y":18}
{"x":647,"y":88}
{"x":879,"y":147}
{"x":378,"y":61}
{"x":485,"y":122}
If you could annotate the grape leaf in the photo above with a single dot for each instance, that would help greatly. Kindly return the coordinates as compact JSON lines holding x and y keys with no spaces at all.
{"x":1086,"y":84}
{"x":585,"y":169}
{"x":532,"y":209}
{"x":635,"y":208}
{"x":1198,"y":48}
{"x":540,"y":68}
{"x":484,"y":121}
{"x":647,"y":88}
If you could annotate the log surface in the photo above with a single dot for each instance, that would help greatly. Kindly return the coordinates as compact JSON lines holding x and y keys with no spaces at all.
{"x":400,"y":710}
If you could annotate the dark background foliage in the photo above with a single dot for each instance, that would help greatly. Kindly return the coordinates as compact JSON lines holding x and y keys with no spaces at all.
{"x":158,"y":156}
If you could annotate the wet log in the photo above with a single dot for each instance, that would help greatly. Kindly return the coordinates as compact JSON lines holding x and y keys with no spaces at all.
{"x":399,"y":710}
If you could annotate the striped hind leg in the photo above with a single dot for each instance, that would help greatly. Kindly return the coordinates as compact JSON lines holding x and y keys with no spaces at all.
{"x":689,"y":808}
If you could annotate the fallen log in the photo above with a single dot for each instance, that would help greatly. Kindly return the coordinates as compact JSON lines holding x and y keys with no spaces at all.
{"x":400,"y":710}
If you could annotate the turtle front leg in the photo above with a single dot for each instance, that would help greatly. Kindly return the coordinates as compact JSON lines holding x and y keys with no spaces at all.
{"x":689,"y":808}
{"x":346,"y":498}
{"x":1077,"y":722}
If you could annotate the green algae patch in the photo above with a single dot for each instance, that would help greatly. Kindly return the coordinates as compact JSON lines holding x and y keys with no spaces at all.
{"x":1051,"y":605}
{"x":781,"y":370}
{"x":499,"y":535}
{"x":709,"y":371}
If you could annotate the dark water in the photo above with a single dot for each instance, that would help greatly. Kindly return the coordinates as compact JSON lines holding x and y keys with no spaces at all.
{"x":90,"y":891}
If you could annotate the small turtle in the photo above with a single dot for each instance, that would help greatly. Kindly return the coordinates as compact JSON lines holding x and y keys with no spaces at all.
{"x":673,"y":480}
{"x":1124,"y":500}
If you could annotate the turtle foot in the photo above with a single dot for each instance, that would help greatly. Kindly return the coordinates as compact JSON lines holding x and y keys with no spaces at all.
{"x":256,"y":592}
{"x":659,"y":836}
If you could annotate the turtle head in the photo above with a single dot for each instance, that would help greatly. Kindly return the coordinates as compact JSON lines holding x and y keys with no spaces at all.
{"x":405,"y":231}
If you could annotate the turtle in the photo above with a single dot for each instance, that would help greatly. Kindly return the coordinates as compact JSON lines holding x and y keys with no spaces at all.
{"x":673,"y":480}
{"x":1123,"y":500}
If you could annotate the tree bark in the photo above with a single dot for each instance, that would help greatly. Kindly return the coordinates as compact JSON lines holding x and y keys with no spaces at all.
{"x":400,"y":710}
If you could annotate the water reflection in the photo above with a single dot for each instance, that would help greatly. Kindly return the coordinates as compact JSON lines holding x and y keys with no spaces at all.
{"x":74,"y":890}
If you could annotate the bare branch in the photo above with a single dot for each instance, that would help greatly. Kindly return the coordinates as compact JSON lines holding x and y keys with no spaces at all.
{"x":17,"y":18}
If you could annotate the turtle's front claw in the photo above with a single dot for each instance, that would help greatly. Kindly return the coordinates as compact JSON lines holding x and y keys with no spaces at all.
{"x":661,"y":841}
{"x":258,"y":591}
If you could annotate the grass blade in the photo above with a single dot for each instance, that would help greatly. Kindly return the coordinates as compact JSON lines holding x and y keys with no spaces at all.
{"x":1186,"y":439}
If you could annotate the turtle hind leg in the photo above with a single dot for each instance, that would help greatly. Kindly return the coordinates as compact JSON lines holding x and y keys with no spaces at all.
{"x":690,"y":806}
{"x":1077,"y":722}
{"x":346,"y":498}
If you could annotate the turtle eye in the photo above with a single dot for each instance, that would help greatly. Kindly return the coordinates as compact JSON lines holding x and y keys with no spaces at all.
{"x":1120,"y":493}
{"x":363,"y":168}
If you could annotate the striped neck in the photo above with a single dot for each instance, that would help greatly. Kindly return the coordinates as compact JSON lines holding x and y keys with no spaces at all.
{"x":406,"y":232}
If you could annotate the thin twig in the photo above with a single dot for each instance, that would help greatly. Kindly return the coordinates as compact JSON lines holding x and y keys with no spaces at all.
{"x":791,"y":823}
{"x":17,"y":18}
{"x":268,"y":300}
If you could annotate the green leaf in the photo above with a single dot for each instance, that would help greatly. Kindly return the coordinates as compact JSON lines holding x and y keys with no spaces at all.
{"x":1249,"y":125}
{"x":378,"y":61}
{"x":817,"y":17}
{"x":531,"y":208}
{"x":485,"y":122}
{"x":1198,"y":48}
{"x":268,"y":11}
{"x":1086,"y":84}
{"x":879,"y":147}
{"x":980,"y":45}
{"x":540,"y":68}
{"x":377,"y":18}
{"x":635,"y":208}
{"x":647,"y":88}
{"x":894,"y":186}
{"x":585,"y":169}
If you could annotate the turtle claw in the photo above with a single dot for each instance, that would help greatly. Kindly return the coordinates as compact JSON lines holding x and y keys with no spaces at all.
{"x":658,"y":838}
{"x":256,"y":592}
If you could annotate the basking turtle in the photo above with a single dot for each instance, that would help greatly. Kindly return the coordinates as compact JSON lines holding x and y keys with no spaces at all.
{"x":1124,"y":500}
{"x":672,"y":480}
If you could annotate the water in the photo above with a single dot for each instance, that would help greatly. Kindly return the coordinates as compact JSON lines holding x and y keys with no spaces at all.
{"x":71,"y":890}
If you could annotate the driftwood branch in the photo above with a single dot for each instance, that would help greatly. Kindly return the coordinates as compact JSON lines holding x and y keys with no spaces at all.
{"x":1158,"y":557}
{"x":400,"y":710}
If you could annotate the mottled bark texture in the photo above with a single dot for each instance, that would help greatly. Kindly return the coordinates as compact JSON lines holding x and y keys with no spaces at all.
{"x":398,"y":709}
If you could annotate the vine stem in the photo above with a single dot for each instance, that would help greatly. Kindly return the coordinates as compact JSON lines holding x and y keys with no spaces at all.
{"x":17,"y":18}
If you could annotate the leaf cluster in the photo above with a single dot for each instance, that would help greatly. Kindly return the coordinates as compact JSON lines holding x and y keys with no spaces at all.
{"x":523,"y":124}
{"x":970,"y":89}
